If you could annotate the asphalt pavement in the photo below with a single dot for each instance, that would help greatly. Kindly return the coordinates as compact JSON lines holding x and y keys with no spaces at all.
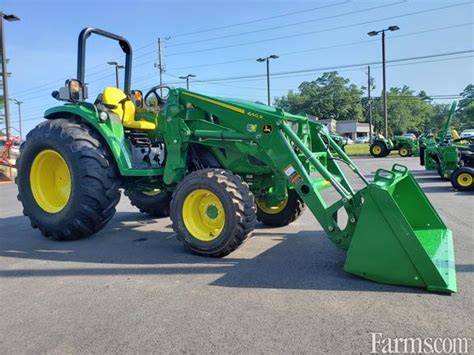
{"x":132,"y":288}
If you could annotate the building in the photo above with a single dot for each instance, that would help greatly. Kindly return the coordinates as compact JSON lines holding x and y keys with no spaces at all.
{"x":352,"y":129}
{"x":346,"y":128}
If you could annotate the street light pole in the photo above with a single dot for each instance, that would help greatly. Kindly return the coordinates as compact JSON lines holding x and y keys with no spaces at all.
{"x":117,"y":67}
{"x":187,"y":79}
{"x":385,"y":110}
{"x":267,"y":61}
{"x":19,"y":116}
{"x":4,"y":69}
{"x":268,"y":82}
{"x":369,"y":103}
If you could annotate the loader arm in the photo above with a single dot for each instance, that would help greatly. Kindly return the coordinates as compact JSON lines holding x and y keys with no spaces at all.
{"x":445,"y":130}
{"x":392,"y":233}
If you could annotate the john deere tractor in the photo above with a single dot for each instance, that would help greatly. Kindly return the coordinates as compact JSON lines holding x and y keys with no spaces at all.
{"x":381,"y":147}
{"x":452,"y":158}
{"x":216,"y":166}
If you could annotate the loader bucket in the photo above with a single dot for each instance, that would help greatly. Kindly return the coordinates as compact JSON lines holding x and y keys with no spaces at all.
{"x":399,"y":238}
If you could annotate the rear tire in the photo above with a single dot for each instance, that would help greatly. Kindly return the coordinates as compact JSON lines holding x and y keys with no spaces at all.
{"x":213,"y":212}
{"x":378,"y":150}
{"x":462,"y":179}
{"x":157,"y":206}
{"x":92,"y":177}
{"x":290,"y":211}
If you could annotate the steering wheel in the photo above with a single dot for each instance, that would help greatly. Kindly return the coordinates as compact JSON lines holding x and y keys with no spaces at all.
{"x":157,"y":96}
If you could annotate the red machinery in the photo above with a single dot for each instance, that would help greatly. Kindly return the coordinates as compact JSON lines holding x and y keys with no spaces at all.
{"x":4,"y":158}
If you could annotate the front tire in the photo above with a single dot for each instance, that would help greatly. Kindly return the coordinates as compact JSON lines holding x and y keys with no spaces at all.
{"x":404,"y":152}
{"x":213,"y":212}
{"x":284,"y":213}
{"x":67,"y":180}
{"x":462,"y":179}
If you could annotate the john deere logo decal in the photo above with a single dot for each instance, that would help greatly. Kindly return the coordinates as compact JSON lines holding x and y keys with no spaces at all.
{"x":267,"y":128}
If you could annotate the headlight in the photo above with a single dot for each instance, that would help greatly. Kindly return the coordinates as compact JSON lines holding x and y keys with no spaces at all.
{"x":103,"y":116}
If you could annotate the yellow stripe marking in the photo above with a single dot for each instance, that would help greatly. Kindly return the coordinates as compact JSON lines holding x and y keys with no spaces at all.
{"x":218,"y":103}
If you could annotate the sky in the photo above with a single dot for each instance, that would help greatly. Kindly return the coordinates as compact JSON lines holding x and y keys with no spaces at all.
{"x":219,"y":42}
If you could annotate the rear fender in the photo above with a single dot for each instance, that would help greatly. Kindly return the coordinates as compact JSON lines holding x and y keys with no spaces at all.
{"x":111,"y":131}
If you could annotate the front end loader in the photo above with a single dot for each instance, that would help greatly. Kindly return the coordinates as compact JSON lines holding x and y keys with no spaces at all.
{"x":216,"y":166}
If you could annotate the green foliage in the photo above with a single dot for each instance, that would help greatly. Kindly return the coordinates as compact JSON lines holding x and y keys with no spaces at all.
{"x":465,"y":111}
{"x":439,"y":115}
{"x":407,"y":112}
{"x":329,"y":96}
{"x":333,"y":96}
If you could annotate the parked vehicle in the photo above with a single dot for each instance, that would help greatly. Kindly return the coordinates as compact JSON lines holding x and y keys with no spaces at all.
{"x":406,"y":146}
{"x":452,"y":158}
{"x":360,"y":140}
{"x":467,"y":134}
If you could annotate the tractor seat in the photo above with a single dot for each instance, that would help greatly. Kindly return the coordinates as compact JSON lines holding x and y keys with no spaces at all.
{"x":119,"y":103}
{"x":455,"y":135}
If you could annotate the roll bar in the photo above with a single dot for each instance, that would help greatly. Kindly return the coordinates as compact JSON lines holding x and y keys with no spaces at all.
{"x":81,"y":54}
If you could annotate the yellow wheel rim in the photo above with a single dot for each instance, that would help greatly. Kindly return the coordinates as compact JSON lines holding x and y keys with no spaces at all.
{"x":403,"y":152}
{"x":50,"y":181}
{"x":376,"y":149}
{"x":464,"y":179}
{"x":203,"y":215}
{"x":262,"y":205}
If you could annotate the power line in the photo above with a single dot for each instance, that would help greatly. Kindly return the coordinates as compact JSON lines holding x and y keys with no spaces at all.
{"x":258,"y":20}
{"x":317,"y":31}
{"x":200,"y":31}
{"x":266,"y":40}
{"x":325,"y":47}
{"x":280,"y":26}
{"x":304,"y":72}
{"x":360,"y":67}
{"x":248,"y":76}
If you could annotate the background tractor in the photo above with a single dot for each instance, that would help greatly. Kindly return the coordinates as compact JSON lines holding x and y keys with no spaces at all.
{"x":381,"y":147}
{"x":216,"y":166}
{"x":452,"y":158}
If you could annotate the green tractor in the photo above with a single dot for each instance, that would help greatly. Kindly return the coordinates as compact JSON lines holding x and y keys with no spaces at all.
{"x":216,"y":166}
{"x":452,"y":158}
{"x":381,"y":147}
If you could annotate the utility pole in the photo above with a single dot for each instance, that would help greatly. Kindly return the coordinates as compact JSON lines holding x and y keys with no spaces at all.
{"x":160,"y":65}
{"x":3,"y":54}
{"x":267,"y":60}
{"x":369,"y":103}
{"x":187,"y":79}
{"x":19,"y":116}
{"x":385,"y":110}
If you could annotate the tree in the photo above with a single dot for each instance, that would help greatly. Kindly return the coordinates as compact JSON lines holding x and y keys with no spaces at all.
{"x":438,"y":118}
{"x":406,"y":112}
{"x":329,"y":96}
{"x":465,"y":111}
